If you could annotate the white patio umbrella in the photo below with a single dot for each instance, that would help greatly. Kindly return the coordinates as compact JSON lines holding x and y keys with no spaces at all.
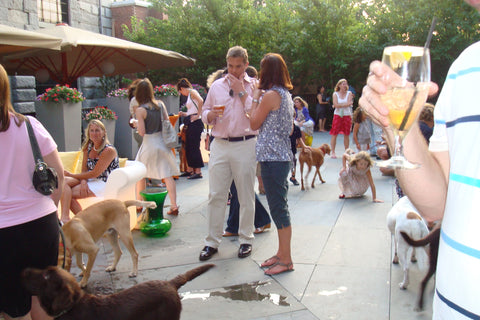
{"x":15,"y":40}
{"x":85,"y":53}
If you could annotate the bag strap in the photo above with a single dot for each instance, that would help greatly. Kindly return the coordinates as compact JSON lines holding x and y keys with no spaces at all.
{"x":190,"y":95}
{"x":33,"y":142}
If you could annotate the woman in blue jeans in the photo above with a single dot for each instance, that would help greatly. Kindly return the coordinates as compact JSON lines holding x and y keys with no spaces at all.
{"x":273,"y":115}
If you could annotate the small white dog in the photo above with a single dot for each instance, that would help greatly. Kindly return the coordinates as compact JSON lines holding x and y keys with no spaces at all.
{"x":405,"y":217}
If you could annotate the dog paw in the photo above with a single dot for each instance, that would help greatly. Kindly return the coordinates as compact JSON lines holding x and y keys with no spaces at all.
{"x":402,"y":286}
{"x":83,"y":283}
{"x":132,"y":274}
{"x":110,"y":269}
{"x":418,"y":309}
{"x":395,"y":260}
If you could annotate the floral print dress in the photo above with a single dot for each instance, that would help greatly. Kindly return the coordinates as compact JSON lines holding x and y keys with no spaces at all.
{"x":353,"y":182}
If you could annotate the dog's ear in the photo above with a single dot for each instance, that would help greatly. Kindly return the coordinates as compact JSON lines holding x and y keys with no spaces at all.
{"x":61,"y":291}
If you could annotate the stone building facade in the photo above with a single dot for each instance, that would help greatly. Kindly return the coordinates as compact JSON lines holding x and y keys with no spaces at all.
{"x":91,"y":15}
{"x":101,"y":16}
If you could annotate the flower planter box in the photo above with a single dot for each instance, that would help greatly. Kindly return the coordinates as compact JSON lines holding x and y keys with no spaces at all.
{"x":171,"y":102}
{"x":110,"y":127}
{"x":125,"y":142}
{"x":63,"y":121}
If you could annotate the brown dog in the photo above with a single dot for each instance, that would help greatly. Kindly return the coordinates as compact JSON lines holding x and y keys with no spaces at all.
{"x":183,"y":153}
{"x":313,"y":157}
{"x":86,"y":228}
{"x":62,"y":298}
{"x":433,"y":238}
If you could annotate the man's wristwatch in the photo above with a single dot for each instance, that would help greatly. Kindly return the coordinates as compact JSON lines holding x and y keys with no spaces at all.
{"x":242,"y":93}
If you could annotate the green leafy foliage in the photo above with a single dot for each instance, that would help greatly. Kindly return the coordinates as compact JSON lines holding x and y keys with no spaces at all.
{"x":321,"y":40}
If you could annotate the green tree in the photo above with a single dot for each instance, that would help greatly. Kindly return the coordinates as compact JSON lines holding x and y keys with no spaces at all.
{"x":321,"y":40}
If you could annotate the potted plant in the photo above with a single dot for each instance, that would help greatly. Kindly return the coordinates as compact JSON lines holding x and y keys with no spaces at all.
{"x":169,"y":95}
{"x":108,"y":118}
{"x":101,"y":113}
{"x":118,"y":93}
{"x":60,"y":109}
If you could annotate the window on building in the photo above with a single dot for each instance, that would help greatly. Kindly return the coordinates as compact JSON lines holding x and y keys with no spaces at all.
{"x":53,"y":11}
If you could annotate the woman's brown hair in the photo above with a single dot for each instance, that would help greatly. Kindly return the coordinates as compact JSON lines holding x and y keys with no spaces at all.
{"x":184,"y":83}
{"x":131,"y":88}
{"x":358,"y":115}
{"x":144,"y":93}
{"x":274,"y":72}
{"x":6,"y":104}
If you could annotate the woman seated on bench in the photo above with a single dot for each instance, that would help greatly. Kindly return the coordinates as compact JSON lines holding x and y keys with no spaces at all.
{"x":99,"y":159}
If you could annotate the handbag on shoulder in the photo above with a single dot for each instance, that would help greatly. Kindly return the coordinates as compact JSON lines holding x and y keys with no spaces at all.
{"x":168,"y":132}
{"x":45,"y":178}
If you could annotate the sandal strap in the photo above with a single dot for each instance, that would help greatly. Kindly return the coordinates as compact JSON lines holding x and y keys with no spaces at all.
{"x":275,"y":257}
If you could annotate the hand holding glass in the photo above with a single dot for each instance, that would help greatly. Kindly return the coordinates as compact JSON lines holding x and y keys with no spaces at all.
{"x":219,"y":109}
{"x":406,"y":97}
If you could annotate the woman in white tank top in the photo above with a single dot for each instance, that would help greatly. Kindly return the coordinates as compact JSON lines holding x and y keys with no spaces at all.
{"x":342,"y":116}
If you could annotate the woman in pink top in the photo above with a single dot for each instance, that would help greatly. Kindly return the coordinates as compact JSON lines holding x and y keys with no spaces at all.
{"x":28,"y":219}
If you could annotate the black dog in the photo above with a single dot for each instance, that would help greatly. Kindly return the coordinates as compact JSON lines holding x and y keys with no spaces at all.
{"x":61,"y":297}
{"x":433,"y":238}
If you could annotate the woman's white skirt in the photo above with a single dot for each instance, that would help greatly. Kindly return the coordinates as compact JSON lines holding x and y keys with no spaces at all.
{"x":158,"y":159}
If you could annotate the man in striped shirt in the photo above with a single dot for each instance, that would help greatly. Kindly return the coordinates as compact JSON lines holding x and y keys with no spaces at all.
{"x":447,"y":184}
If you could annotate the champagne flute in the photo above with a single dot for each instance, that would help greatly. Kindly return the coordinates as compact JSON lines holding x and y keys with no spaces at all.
{"x":406,"y":96}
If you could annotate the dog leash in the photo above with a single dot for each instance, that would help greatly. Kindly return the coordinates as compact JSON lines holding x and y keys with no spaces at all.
{"x":63,"y":244}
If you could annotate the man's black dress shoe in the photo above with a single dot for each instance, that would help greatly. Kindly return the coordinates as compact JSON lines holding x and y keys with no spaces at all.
{"x":245,"y":250}
{"x":207,"y":253}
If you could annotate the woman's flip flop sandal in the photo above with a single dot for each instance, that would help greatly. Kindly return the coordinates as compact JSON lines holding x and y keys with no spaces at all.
{"x":288,"y":268}
{"x":269,"y":263}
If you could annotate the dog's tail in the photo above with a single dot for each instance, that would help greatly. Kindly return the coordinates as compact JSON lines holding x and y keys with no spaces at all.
{"x":138,"y":203}
{"x":181,"y":279}
{"x":431,"y":237}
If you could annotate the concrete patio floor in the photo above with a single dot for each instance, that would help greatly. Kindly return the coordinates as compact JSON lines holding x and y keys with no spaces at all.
{"x":341,"y":250}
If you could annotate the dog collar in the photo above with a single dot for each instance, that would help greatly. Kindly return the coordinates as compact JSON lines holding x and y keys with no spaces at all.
{"x":61,"y":313}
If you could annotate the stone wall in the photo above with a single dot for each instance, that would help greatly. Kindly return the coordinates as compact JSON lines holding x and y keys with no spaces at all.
{"x":83,"y":14}
{"x":23,"y":93}
{"x":90,"y":88}
{"x":19,"y":14}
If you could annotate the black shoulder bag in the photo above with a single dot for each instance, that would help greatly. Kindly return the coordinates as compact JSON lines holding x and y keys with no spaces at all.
{"x":45,"y":178}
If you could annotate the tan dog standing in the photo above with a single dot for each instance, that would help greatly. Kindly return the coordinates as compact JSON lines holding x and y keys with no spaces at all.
{"x":90,"y":224}
{"x":313,"y":157}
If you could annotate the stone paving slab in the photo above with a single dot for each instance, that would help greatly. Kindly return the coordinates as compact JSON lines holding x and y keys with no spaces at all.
{"x":341,"y":251}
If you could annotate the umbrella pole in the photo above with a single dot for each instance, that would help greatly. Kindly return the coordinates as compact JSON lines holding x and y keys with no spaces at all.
{"x":65,"y":68}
